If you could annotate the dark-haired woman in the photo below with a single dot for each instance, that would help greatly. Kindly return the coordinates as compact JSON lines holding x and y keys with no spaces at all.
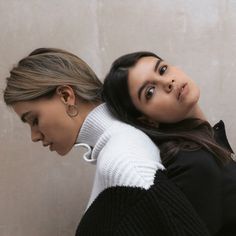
{"x":161,"y":100}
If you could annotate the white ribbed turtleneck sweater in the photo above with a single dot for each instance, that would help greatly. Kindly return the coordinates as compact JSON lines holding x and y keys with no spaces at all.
{"x":124,"y":155}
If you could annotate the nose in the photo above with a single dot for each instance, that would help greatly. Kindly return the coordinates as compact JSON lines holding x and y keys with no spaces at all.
{"x":36,"y":135}
{"x":169,"y":85}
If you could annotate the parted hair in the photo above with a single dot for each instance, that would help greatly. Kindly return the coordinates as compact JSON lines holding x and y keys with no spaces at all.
{"x":43,"y":70}
{"x":188,"y":135}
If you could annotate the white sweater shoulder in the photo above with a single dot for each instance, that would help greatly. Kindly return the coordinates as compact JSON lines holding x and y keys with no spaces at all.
{"x":128,"y":159}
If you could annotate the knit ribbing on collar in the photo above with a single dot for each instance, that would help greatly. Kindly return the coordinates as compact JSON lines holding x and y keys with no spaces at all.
{"x":95,"y":124}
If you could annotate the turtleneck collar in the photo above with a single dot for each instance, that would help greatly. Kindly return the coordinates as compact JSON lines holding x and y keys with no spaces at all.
{"x":97,"y":121}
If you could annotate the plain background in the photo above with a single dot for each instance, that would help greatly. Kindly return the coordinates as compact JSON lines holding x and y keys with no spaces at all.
{"x":43,"y":194}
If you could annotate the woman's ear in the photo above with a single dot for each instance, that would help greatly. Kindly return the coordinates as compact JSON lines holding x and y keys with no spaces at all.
{"x":148,"y":121}
{"x":66,"y":94}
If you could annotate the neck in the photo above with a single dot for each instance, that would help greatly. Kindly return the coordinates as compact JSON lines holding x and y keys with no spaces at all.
{"x":198,"y":113}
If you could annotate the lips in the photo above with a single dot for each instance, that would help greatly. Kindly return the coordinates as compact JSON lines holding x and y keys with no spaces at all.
{"x":51,"y":148}
{"x":48,"y":144}
{"x":181,"y":90}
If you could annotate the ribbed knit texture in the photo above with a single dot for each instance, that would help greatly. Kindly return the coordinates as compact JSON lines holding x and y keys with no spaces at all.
{"x":125,"y":211}
{"x":125,"y":155}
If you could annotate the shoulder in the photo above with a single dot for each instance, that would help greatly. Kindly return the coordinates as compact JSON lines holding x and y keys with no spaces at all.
{"x":125,"y":140}
{"x":198,"y":159}
{"x":129,"y":159}
{"x":128,"y":138}
{"x":200,"y":166}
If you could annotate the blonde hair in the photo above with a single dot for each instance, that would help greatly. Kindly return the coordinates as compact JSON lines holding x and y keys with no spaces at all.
{"x":39,"y":74}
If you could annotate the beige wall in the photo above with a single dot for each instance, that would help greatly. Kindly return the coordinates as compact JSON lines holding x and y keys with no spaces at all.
{"x":42,"y":194}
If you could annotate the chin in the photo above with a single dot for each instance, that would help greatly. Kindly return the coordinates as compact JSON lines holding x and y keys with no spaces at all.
{"x":197,"y":95}
{"x":63,"y":152}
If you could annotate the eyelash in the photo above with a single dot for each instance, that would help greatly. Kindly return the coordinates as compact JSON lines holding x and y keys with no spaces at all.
{"x":147,"y":96}
{"x":35,"y":122}
{"x":163,"y":69}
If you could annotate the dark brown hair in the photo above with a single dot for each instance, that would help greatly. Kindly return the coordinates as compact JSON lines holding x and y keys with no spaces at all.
{"x":189,"y":134}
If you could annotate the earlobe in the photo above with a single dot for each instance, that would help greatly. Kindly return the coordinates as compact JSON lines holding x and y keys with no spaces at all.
{"x":67,"y":96}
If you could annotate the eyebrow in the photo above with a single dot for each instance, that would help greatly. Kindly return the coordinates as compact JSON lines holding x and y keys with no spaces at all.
{"x":24,"y":115}
{"x":157,"y":64}
{"x":147,"y":82}
{"x":141,"y":88}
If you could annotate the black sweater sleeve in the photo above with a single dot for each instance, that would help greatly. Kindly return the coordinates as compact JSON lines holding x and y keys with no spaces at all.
{"x":162,"y":210}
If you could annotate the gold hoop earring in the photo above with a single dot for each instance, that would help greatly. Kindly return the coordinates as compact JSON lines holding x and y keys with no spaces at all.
{"x":72,"y":110}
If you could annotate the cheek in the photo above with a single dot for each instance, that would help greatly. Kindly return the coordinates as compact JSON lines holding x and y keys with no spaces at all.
{"x":198,"y":93}
{"x":52,"y":126}
{"x":163,"y":109}
{"x":195,"y":93}
{"x":62,"y":131}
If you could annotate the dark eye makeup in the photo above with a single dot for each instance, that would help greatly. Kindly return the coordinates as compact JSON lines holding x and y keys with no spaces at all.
{"x":35,"y":121}
{"x":149,"y":92}
{"x":163,"y":69}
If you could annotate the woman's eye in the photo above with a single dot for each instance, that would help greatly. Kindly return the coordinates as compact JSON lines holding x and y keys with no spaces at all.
{"x":163,"y":69}
{"x":149,"y":92}
{"x":35,"y":121}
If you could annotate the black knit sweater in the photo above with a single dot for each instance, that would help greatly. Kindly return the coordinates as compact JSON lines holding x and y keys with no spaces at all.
{"x":128,"y":211}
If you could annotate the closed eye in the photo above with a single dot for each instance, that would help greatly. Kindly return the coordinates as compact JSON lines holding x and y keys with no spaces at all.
{"x":35,"y":122}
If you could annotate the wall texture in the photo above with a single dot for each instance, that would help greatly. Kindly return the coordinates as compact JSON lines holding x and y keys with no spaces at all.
{"x":42,"y":194}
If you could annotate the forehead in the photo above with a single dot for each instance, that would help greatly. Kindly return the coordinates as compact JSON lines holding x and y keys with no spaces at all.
{"x":143,"y":68}
{"x":26,"y":106}
{"x":21,"y":107}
